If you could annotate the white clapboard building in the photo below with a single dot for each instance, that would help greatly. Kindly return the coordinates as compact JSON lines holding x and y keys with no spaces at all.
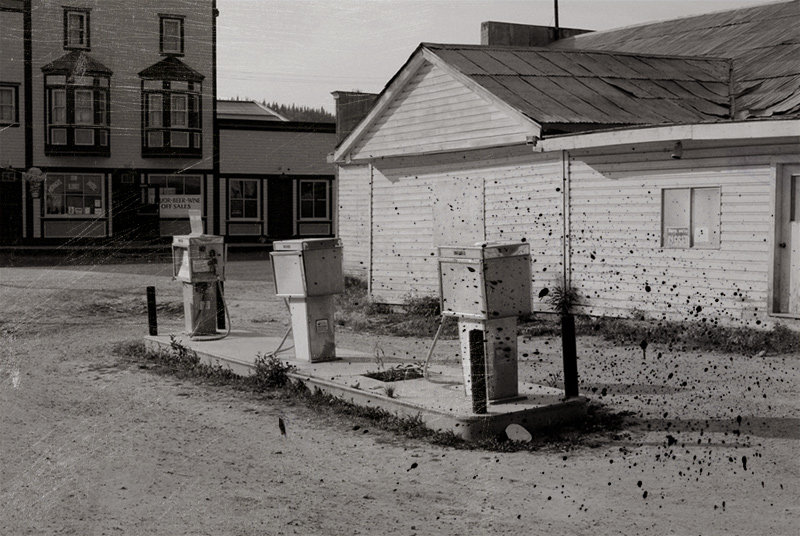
{"x":654,"y":169}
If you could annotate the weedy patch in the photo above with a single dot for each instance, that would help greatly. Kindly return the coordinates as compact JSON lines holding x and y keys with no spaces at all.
{"x":271,"y":379}
{"x":418,"y":316}
{"x":398,"y":373}
{"x":270,"y":372}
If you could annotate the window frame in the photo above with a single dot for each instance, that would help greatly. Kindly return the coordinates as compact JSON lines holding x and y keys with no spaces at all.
{"x":244,"y":199}
{"x":62,"y":96}
{"x":163,"y":36}
{"x":51,"y":183}
{"x":315,"y":217}
{"x":84,"y":14}
{"x":13,"y":88}
{"x":688,"y":231}
{"x":168,"y":93}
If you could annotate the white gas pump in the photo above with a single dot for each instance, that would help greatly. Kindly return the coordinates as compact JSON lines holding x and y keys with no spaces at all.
{"x":308,"y":273}
{"x":198,"y":261}
{"x":486,"y":287}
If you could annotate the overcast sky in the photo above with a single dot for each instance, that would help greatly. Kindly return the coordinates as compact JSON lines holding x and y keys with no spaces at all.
{"x":299,"y":51}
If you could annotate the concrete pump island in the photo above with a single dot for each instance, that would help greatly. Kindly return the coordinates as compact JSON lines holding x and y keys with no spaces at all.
{"x":485,"y":287}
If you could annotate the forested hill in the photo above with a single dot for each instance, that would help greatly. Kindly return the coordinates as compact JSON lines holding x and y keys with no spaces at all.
{"x":302,"y":113}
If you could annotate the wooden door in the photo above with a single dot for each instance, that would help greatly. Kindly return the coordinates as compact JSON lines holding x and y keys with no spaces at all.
{"x":10,"y":207}
{"x":787,"y":255}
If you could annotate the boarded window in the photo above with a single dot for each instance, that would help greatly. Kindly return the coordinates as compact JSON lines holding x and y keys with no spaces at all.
{"x":690,"y":218}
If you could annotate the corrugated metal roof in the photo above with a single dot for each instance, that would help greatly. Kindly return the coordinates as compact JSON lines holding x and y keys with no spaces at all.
{"x":228,"y":109}
{"x":762,"y":41}
{"x":599,"y":88}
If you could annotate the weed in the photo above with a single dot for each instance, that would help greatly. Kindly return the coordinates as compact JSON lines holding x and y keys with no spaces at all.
{"x":401,"y":372}
{"x":693,"y":335}
{"x":424,"y":306}
{"x":555,"y":379}
{"x":389,"y":390}
{"x":270,"y":372}
{"x":561,"y":300}
{"x":179,"y":355}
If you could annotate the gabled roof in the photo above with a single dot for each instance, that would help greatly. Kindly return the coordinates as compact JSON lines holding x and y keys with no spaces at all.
{"x":763,"y":42}
{"x":246,"y":109}
{"x":558,"y":88}
{"x":733,"y":65}
{"x":76,"y":62}
{"x":171,"y":68}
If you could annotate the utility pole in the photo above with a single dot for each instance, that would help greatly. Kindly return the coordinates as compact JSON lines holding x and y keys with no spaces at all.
{"x":556,"y":10}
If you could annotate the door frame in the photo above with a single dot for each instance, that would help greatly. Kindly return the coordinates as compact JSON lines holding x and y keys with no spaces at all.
{"x":781,"y":182}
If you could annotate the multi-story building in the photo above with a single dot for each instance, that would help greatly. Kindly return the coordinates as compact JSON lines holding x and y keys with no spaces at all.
{"x":12,"y":132}
{"x":101,"y":125}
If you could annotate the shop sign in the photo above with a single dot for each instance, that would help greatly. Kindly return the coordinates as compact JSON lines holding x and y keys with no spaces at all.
{"x":178,"y":206}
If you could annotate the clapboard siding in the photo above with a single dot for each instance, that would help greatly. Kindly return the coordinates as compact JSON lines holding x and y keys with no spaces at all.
{"x":618,"y":263}
{"x":522,"y":201}
{"x":353,"y":218}
{"x":276,"y":152}
{"x":434,"y":112}
{"x":525,"y":202}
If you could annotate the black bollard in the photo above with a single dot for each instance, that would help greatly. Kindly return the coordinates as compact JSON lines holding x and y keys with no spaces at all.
{"x":569,"y":355}
{"x":220,"y":305}
{"x":152,"y":319}
{"x":477,"y":370}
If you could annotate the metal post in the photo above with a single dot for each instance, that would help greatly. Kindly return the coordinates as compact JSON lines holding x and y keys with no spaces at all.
{"x":477,"y":370}
{"x":220,"y":305}
{"x":152,"y":320}
{"x":570,"y":355}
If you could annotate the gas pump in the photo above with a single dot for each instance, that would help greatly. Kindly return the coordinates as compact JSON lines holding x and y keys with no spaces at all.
{"x":486,"y":287}
{"x":198,"y":261}
{"x":307,"y":274}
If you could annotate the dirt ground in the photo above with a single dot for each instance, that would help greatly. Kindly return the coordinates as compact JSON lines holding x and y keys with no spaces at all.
{"x":92,"y":444}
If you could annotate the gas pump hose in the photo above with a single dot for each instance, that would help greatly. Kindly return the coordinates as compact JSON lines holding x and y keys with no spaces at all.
{"x":274,"y":353}
{"x":203,"y":338}
{"x":430,"y":351}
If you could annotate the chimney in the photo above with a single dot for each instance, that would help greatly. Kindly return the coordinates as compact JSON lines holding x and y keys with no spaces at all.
{"x":507,"y":34}
{"x":351,"y":108}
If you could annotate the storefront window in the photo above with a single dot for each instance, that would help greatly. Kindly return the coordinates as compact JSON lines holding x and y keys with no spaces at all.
{"x":243,"y":199}
{"x":313,"y":199}
{"x":74,"y":195}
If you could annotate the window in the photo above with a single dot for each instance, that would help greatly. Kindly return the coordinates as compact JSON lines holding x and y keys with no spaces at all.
{"x":76,"y":28}
{"x":77,"y":115}
{"x":172,"y":118}
{"x":314,"y":200}
{"x":9,"y":105}
{"x":243,"y":199}
{"x":690,"y":218}
{"x":171,"y":34}
{"x":177,"y":184}
{"x":74,"y":195}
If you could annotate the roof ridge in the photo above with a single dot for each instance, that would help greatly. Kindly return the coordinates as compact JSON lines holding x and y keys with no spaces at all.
{"x":578,"y":51}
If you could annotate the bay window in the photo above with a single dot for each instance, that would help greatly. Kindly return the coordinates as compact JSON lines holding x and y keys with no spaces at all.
{"x":77,"y":119}
{"x":172,"y":118}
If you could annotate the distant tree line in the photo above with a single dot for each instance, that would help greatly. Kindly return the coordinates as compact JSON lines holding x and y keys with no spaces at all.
{"x":301,"y":113}
{"x":292,"y":112}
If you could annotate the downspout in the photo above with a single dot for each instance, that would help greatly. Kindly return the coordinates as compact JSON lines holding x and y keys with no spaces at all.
{"x":27,"y":40}
{"x":216,"y":153}
{"x":369,"y":216}
{"x":565,"y":219}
